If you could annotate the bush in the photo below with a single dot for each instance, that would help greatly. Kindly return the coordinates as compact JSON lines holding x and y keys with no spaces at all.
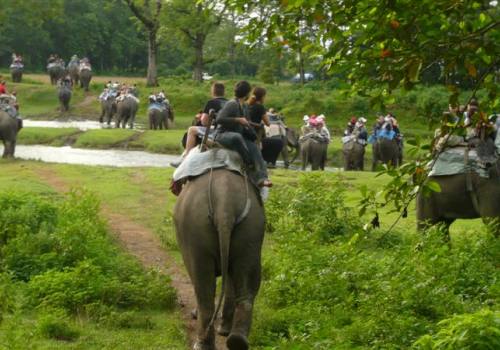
{"x":478,"y":331}
{"x":64,"y":254}
{"x":330,"y":284}
{"x":56,"y":326}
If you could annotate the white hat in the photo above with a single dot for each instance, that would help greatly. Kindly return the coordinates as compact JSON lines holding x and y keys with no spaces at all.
{"x":306,"y":118}
{"x":321,"y":116}
{"x":362,"y":120}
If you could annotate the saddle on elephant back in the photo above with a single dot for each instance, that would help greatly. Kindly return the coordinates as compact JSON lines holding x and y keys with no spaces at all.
{"x":476,"y":155}
{"x":198,"y":163}
{"x":315,"y":136}
{"x":8,"y":105}
{"x":162,"y":107}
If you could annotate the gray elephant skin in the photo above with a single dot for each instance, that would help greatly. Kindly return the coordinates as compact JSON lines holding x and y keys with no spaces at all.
{"x":354,"y":156}
{"x":454,"y":201}
{"x":160,"y":119}
{"x":64,"y":95}
{"x":55,"y":73}
{"x":214,"y":245}
{"x":9,"y":127}
{"x":386,"y":151}
{"x":16,"y":74}
{"x":74,"y":72}
{"x":108,"y":110}
{"x":85,"y":77}
{"x":126,"y":110}
{"x":314,"y":153}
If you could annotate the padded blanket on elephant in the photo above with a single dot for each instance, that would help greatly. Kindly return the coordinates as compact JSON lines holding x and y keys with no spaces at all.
{"x":197,"y":163}
{"x":452,"y":161}
{"x":159,"y":106}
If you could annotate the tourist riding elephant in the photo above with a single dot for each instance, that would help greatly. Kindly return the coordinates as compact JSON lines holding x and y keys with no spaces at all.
{"x":354,"y":155}
{"x":108,"y":109}
{"x":56,"y":72}
{"x":9,"y":127}
{"x":462,"y":196}
{"x":387,"y":152}
{"x":16,"y":74}
{"x":126,"y":110}
{"x":74,"y":72}
{"x":160,"y":118}
{"x":85,"y":77}
{"x":222,"y":241}
{"x":313,"y":152}
{"x":64,"y":95}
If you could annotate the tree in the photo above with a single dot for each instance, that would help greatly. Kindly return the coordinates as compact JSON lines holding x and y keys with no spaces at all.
{"x":194,"y":20}
{"x":148,"y":14}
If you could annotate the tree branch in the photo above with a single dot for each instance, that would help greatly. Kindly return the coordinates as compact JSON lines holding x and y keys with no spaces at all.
{"x":148,"y":22}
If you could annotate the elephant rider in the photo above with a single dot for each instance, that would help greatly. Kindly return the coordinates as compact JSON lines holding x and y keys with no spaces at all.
{"x":350,"y":126}
{"x":323,"y":129}
{"x":74,"y":60}
{"x":234,"y":132}
{"x":3,"y":88}
{"x":360,"y":131}
{"x":8,"y":104}
{"x":198,"y":129}
{"x":257,"y":112}
{"x":17,"y":60}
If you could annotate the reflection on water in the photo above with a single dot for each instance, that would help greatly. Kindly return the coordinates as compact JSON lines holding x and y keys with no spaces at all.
{"x":78,"y":124}
{"x":69,"y":155}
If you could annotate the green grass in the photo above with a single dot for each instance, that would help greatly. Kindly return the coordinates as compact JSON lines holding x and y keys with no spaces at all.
{"x":105,"y":138}
{"x":160,"y":141}
{"x":45,"y":136}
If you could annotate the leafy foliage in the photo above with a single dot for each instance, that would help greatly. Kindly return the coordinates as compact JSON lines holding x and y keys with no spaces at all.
{"x":362,"y":289}
{"x":62,"y":256}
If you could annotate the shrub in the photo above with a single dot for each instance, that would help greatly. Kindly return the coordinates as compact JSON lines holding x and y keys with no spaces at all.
{"x":478,"y":331}
{"x":56,"y":326}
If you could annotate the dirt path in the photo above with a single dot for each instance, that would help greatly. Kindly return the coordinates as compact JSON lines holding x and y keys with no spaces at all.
{"x":146,"y":247}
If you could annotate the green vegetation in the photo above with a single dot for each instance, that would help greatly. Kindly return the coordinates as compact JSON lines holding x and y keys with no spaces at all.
{"x":105,"y":138}
{"x":46,"y":136}
{"x":60,"y":269}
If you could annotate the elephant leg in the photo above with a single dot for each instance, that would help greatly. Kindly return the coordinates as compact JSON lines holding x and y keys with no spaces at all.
{"x":203,"y":277}
{"x":228,"y":309}
{"x":284,"y":152}
{"x":304,"y":160}
{"x":6,"y":146}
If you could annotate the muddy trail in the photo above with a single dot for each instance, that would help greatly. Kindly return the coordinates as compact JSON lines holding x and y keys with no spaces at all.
{"x":142,"y":243}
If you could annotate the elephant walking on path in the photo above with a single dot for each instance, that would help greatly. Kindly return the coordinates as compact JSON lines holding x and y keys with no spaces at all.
{"x":313,"y":152}
{"x":108,"y":110}
{"x":386,"y":151}
{"x":462,"y":196}
{"x":160,"y":118}
{"x":64,"y":95}
{"x":85,"y":77}
{"x":216,"y":238}
{"x":354,"y":155}
{"x":16,"y":74}
{"x":126,"y":109}
{"x":9,"y":127}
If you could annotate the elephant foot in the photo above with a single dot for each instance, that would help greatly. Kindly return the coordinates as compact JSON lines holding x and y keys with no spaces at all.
{"x":237,"y":342}
{"x":198,"y":345}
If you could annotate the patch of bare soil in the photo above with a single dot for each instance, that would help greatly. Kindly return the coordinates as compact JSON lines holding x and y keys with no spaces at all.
{"x":142,"y":243}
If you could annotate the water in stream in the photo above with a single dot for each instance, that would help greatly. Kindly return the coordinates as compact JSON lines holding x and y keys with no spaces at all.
{"x":69,"y":155}
{"x":78,"y":124}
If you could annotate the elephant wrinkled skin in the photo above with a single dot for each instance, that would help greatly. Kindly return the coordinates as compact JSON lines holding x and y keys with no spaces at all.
{"x":215,"y":245}
{"x":85,"y":77}
{"x":9,"y":127}
{"x":125,"y":112}
{"x":387,"y":152}
{"x":64,"y":95}
{"x":354,"y":155}
{"x":456,"y":202}
{"x":108,"y":110}
{"x":314,"y":153}
{"x":16,"y":74}
{"x":160,"y":119}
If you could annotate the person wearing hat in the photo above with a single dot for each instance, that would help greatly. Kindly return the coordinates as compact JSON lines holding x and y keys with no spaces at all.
{"x":350,"y":126}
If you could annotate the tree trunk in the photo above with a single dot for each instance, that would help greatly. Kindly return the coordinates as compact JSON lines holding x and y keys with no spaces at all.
{"x":301,"y":67}
{"x":199,"y":59}
{"x":152,"y":77}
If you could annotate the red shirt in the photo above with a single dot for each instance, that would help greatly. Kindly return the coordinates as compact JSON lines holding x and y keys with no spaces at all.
{"x":2,"y":89}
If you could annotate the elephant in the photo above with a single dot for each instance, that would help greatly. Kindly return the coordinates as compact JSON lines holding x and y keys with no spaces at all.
{"x":56,"y":72}
{"x":313,"y":152}
{"x":16,"y":74}
{"x":9,"y":127}
{"x":64,"y":97}
{"x":74,"y":72}
{"x":292,"y":143}
{"x":462,"y":196}
{"x":354,"y":155}
{"x":126,"y":109}
{"x":160,"y":119}
{"x":386,"y":151}
{"x":85,"y":77}
{"x":108,"y":110}
{"x":271,"y":149}
{"x":223,"y":243}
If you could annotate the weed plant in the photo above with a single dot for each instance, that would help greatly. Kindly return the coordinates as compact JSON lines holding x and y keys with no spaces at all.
{"x":330,"y":284}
